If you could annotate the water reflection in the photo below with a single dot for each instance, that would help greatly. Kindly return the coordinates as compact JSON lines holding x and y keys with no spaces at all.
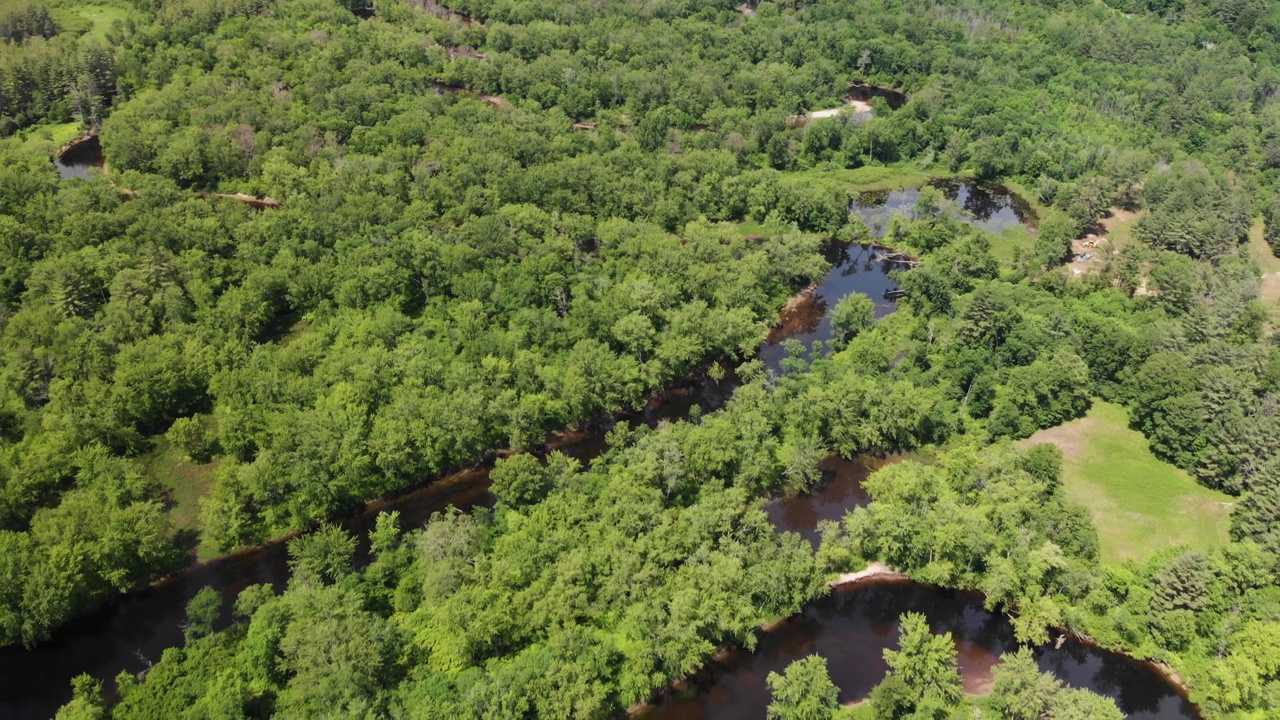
{"x":853,"y":626}
{"x":987,"y":207}
{"x":854,"y":268}
{"x":77,"y":159}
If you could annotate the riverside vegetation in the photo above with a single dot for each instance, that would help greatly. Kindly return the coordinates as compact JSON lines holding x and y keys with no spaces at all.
{"x":454,"y":268}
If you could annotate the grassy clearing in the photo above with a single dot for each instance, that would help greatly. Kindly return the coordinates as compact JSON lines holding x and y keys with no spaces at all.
{"x":90,"y":21}
{"x":1007,"y":241}
{"x":748,"y":227}
{"x":1270,"y":264}
{"x":53,"y":135}
{"x":1118,"y":227}
{"x":1140,"y":504}
{"x":1261,"y":251}
{"x":185,"y":483}
{"x":870,"y":178}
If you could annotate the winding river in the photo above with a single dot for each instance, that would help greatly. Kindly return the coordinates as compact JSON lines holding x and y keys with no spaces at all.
{"x":850,"y":627}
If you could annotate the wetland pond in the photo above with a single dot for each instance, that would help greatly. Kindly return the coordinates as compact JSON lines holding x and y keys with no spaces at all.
{"x":76,"y":159}
{"x":987,"y":207}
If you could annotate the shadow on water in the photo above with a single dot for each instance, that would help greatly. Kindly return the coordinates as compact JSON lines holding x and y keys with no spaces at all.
{"x":133,"y":631}
{"x":852,"y":627}
{"x":76,"y":160}
{"x":987,"y":207}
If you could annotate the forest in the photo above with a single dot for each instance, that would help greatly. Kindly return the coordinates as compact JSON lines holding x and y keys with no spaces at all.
{"x":338,"y":248}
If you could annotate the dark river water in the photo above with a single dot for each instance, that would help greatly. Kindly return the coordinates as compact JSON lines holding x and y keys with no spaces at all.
{"x":853,"y":625}
{"x":850,"y":627}
{"x":76,"y":161}
{"x":988,"y":207}
{"x":854,"y":268}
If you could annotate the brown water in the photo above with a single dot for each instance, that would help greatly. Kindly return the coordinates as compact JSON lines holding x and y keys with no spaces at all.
{"x":852,"y":627}
{"x":136,"y":628}
{"x":839,"y":491}
{"x":865,"y":93}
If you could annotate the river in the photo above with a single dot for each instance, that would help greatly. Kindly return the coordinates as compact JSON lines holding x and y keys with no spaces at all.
{"x":128,"y":633}
{"x":853,"y":625}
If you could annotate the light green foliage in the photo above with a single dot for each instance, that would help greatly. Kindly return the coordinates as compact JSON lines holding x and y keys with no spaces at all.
{"x":1053,"y":243}
{"x":1139,"y":503}
{"x":1022,"y":692}
{"x":943,"y":521}
{"x":520,"y":480}
{"x":192,"y":438}
{"x":923,"y":679}
{"x":449,"y":274}
{"x":853,"y":314}
{"x":87,"y":702}
{"x":803,"y":692}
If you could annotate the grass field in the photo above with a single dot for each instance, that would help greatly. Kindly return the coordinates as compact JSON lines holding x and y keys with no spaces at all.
{"x":1005,"y":242}
{"x":1270,"y":264}
{"x":185,"y":483}
{"x":91,"y":19}
{"x":1139,"y":503}
{"x":54,"y":135}
{"x":870,"y":178}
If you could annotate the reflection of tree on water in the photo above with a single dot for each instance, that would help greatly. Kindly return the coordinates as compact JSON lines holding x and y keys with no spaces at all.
{"x":853,"y":625}
{"x":1107,"y":674}
{"x":873,"y":198}
{"x":988,"y":207}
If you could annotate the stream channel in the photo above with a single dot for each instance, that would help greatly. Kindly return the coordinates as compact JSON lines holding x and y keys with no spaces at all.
{"x":849,"y":627}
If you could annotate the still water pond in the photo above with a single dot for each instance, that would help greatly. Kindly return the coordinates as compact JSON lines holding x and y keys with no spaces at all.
{"x":79,"y":158}
{"x":987,"y":207}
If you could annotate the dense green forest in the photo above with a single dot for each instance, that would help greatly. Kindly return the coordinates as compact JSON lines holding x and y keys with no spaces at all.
{"x":510,"y":217}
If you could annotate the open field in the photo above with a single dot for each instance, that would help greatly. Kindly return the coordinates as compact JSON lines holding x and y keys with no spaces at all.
{"x":91,"y":19}
{"x":185,"y":483}
{"x":1007,"y":241}
{"x":1139,"y":503}
{"x":871,"y":177}
{"x":1270,"y":264}
{"x":53,"y":135}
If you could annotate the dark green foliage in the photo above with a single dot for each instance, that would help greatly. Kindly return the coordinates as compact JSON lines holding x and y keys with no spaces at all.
{"x":322,"y":556}
{"x":1183,"y":584}
{"x":449,"y":274}
{"x":1271,"y":225}
{"x":22,"y":20}
{"x":1194,"y":211}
